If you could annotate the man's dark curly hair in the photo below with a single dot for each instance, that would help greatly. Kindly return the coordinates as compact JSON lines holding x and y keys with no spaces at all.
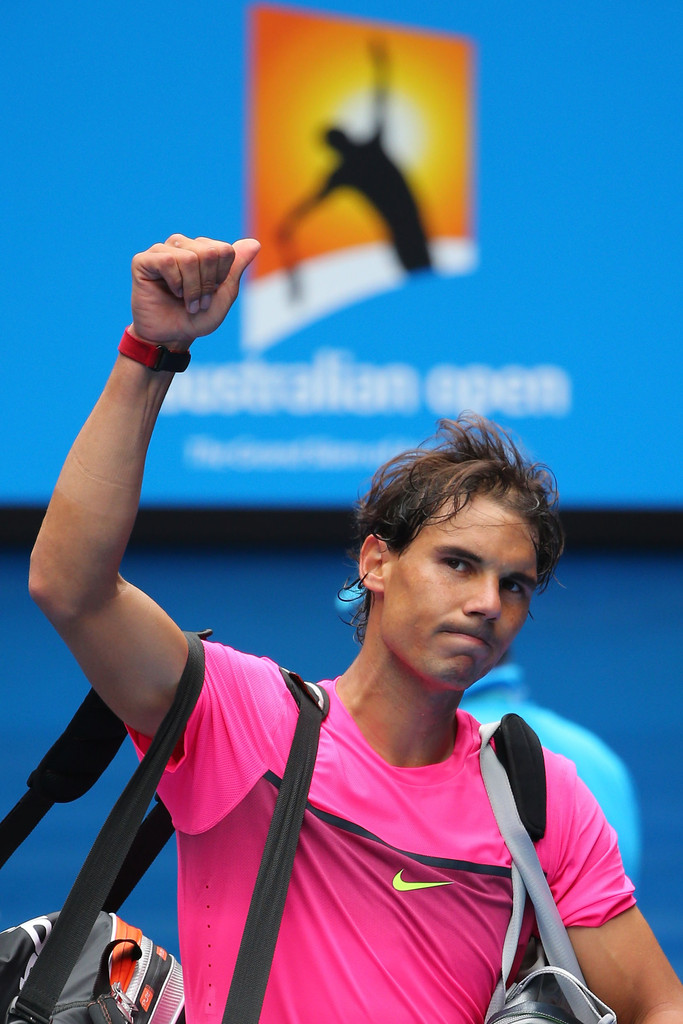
{"x":467,"y":456}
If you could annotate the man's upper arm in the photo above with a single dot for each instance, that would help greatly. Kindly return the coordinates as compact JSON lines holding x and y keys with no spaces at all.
{"x":133,"y":655}
{"x":624,"y":965}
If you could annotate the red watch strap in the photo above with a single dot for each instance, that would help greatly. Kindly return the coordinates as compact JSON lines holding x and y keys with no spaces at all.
{"x":156,"y":357}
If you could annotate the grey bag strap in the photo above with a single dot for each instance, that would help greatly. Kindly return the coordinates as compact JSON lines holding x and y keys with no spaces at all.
{"x":511,"y":941}
{"x":552,"y":931}
{"x":527,"y":869}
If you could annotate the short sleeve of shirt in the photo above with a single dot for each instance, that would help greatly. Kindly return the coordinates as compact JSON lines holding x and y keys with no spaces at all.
{"x":227,"y":745}
{"x":579,"y":852}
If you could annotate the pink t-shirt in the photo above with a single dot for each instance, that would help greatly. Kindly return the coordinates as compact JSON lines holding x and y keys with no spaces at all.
{"x":362,"y":937}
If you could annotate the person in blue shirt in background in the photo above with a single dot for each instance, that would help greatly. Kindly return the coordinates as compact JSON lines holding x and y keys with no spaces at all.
{"x":503,"y":691}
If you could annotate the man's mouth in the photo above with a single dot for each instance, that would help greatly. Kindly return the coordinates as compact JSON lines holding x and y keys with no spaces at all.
{"x":468,"y":634}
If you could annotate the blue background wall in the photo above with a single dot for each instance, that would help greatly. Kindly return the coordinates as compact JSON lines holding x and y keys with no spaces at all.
{"x":603,"y":648}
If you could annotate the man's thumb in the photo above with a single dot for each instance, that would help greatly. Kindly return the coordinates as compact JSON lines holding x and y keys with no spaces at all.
{"x":245,"y":251}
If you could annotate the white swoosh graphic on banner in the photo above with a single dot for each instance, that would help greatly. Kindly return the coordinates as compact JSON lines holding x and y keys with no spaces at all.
{"x":331,"y":282}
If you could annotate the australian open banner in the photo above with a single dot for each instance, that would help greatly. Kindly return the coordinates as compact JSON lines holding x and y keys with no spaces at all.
{"x":460,"y":206}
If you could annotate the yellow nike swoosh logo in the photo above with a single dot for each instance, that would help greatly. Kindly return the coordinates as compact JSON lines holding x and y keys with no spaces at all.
{"x":403,"y":886}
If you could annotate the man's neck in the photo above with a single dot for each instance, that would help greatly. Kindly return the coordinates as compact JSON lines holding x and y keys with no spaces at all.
{"x":407,"y":723}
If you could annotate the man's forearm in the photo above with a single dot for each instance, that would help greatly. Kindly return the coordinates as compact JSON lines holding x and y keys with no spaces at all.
{"x":75,"y":561}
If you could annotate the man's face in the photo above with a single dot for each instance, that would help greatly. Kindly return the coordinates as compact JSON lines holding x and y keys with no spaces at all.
{"x":448,"y":607}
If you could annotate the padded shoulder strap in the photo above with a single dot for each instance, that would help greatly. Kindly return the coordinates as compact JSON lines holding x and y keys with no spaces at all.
{"x":519,"y":751}
{"x":70,"y":767}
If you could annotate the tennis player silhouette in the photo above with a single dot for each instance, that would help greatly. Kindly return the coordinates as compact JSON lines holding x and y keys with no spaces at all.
{"x":366,"y":167}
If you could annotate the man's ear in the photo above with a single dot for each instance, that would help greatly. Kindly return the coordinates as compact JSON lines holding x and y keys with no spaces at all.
{"x":371,"y":563}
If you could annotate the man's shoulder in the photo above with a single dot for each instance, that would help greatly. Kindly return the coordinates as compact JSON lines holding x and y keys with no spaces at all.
{"x":243,"y":678}
{"x":228,"y":665}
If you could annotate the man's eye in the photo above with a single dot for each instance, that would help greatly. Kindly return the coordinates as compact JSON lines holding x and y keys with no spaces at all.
{"x":514,"y":587}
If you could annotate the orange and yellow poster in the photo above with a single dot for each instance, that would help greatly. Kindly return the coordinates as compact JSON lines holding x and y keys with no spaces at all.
{"x":360,"y":162}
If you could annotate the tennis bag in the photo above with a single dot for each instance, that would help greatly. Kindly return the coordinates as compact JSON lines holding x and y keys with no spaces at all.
{"x":119,"y":973}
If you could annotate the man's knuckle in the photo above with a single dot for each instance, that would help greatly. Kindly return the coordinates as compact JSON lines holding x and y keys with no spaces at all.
{"x":188,"y":259}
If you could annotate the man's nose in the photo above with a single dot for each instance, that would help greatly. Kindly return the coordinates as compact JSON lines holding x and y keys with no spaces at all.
{"x":484,"y":598}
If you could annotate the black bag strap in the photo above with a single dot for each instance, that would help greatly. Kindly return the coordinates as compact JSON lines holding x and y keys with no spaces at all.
{"x":254,"y":959}
{"x":150,"y":839}
{"x":519,"y":751}
{"x":97,"y":876}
